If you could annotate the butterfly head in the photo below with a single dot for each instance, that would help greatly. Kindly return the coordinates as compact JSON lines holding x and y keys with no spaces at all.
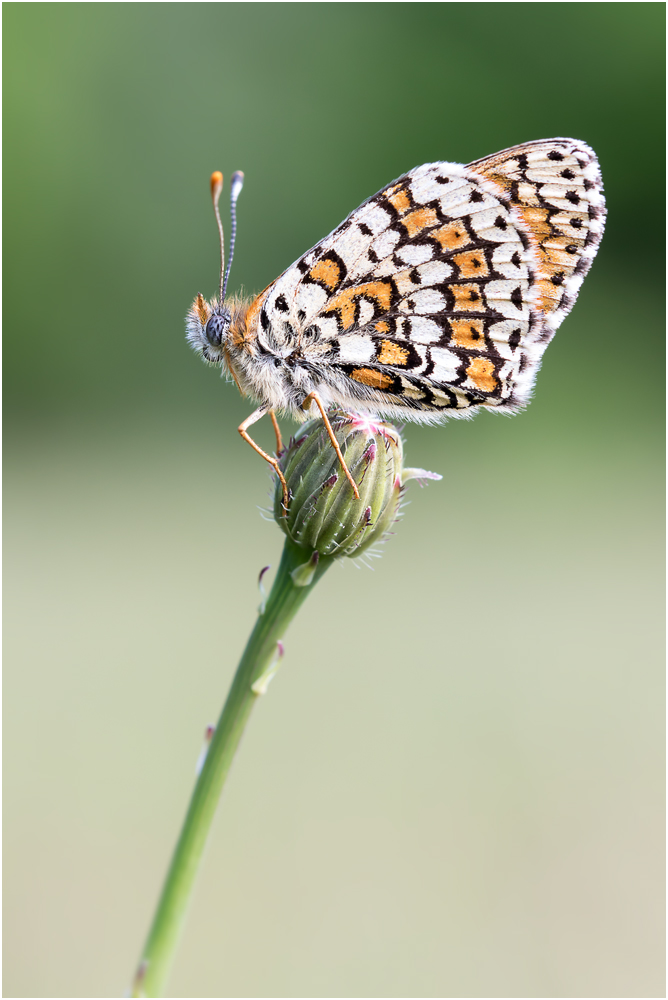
{"x":208,"y":323}
{"x":208,"y":327}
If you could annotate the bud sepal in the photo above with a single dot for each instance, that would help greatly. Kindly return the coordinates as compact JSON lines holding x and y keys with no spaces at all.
{"x":323,"y":514}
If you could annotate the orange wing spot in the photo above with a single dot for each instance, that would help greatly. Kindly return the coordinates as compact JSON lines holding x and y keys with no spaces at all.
{"x":381,"y":291}
{"x":555,"y":252}
{"x":202,"y":309}
{"x":503,"y":180}
{"x":469,"y":333}
{"x":392,"y":354}
{"x":468,"y":298}
{"x":548,"y":295}
{"x":501,"y":170}
{"x":481,"y":373}
{"x":452,"y":236}
{"x":552,"y":257}
{"x":558,"y":258}
{"x":367,"y":376}
{"x":421,"y":218}
{"x":383,"y":327}
{"x":537,"y":221}
{"x":327,"y":271}
{"x":400,"y":200}
{"x":471,"y":264}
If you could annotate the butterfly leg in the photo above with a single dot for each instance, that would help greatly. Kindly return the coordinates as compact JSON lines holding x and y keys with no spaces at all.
{"x":314,"y":397}
{"x":242,"y":428}
{"x":277,"y":432}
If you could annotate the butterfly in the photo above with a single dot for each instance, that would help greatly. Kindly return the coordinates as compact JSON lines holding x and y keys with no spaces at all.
{"x":436,"y":297}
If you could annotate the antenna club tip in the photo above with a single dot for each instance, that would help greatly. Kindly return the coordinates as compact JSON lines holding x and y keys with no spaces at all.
{"x":216,"y":184}
{"x":237,"y":182}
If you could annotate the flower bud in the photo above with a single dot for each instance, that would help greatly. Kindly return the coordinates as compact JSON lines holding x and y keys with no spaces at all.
{"x":323,"y":514}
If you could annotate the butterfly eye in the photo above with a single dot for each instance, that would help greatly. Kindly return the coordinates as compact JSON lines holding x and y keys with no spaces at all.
{"x":217,"y":328}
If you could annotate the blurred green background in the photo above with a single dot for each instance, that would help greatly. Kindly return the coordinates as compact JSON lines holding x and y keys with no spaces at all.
{"x":454,"y":786}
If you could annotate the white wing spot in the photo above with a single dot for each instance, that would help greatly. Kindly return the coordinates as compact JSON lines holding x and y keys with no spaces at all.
{"x":356,"y":349}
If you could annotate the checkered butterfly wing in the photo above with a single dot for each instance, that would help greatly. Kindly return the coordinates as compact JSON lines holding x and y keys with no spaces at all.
{"x":556,"y":192}
{"x":432,"y":294}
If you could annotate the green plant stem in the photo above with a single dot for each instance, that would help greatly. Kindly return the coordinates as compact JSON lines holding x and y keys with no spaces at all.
{"x":282,"y":604}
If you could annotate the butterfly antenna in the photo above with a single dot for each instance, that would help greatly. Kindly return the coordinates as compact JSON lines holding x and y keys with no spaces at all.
{"x":216,"y":188}
{"x":237,"y":184}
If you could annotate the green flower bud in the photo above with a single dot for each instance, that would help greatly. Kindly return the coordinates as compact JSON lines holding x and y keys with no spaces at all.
{"x":323,"y":515}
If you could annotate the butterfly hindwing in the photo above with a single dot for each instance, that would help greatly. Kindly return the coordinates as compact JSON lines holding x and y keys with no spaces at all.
{"x":556,"y":190}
